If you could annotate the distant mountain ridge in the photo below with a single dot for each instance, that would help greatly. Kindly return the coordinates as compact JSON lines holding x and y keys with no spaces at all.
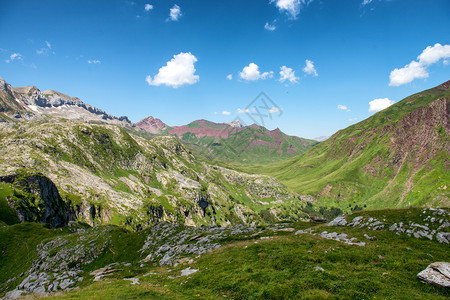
{"x":29,"y":102}
{"x":232,"y":141}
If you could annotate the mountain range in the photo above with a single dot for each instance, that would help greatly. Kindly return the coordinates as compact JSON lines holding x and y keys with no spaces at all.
{"x":232,"y":142}
{"x":109,"y":174}
{"x":112,"y":171}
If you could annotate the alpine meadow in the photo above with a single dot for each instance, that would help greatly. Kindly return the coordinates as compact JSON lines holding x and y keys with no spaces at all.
{"x":260,"y":149}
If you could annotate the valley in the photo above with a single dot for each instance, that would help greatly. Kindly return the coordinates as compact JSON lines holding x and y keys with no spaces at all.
{"x":101,"y":206}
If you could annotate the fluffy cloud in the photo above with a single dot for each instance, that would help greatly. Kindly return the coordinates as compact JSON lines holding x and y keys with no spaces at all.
{"x":175,"y":13}
{"x":13,"y":57}
{"x":252,"y":73}
{"x":365,"y":2}
{"x":379,"y":104}
{"x":180,"y":70}
{"x":287,"y":74}
{"x":418,"y":68}
{"x":432,"y":54}
{"x":270,"y":27}
{"x":352,"y":119}
{"x":407,"y":74}
{"x":226,"y":113}
{"x":290,"y":7}
{"x":95,"y":62}
{"x":148,"y":7}
{"x":243,"y":111}
{"x":230,"y":76}
{"x":343,"y":107}
{"x":309,"y":68}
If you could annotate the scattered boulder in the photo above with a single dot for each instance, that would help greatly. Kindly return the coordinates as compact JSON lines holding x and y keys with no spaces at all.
{"x":443,"y":237}
{"x":339,"y":221}
{"x":188,"y":271}
{"x":437,"y":273}
{"x":133,"y":280}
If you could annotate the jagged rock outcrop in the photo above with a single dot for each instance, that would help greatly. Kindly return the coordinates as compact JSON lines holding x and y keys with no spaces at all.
{"x":37,"y":200}
{"x":25,"y":103}
{"x":8,"y":103}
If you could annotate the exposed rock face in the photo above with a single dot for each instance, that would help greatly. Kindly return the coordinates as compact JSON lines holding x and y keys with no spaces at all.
{"x":40,"y":201}
{"x":8,"y":102}
{"x":437,"y":273}
{"x":151,"y":125}
{"x":24,"y":103}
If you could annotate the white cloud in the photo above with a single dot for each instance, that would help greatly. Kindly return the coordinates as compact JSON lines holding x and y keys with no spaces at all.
{"x":365,"y":2}
{"x":230,"y":76}
{"x":288,"y":74}
{"x":418,"y":69}
{"x":407,"y":74}
{"x":148,"y":7}
{"x":44,"y":50}
{"x":309,"y":68}
{"x":252,"y":73}
{"x":175,"y":13}
{"x":13,"y":57}
{"x":215,"y":112}
{"x":379,"y":104}
{"x":95,"y":61}
{"x":273,"y":110}
{"x":243,"y":111}
{"x":226,"y":113}
{"x":180,"y":70}
{"x":432,"y":54}
{"x":290,"y":7}
{"x":352,"y":119}
{"x":343,"y":107}
{"x":270,"y":27}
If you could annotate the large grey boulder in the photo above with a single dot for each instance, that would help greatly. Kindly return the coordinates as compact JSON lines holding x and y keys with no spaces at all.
{"x":437,"y":273}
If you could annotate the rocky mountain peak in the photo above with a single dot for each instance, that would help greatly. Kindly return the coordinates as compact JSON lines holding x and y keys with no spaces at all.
{"x":151,"y":124}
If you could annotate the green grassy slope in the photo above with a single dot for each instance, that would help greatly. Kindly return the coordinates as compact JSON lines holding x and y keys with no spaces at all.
{"x":396,"y":158}
{"x":268,"y":265}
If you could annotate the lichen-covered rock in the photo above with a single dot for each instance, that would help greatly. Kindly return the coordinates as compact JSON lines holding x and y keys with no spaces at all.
{"x":339,"y":221}
{"x":437,"y":273}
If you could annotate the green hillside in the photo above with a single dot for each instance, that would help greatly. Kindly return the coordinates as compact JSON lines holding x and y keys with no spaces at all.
{"x":248,"y":145}
{"x":281,"y":261}
{"x":396,"y":158}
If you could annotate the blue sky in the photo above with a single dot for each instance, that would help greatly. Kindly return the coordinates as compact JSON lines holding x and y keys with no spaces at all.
{"x":103,"y":51}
